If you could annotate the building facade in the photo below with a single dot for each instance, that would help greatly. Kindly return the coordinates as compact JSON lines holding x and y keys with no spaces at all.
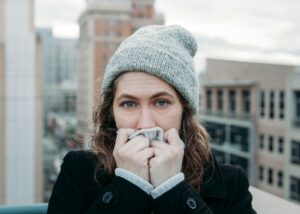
{"x":59,"y":67}
{"x":103,"y":26}
{"x":20,"y":105}
{"x":245,"y":107}
{"x":292,"y":158}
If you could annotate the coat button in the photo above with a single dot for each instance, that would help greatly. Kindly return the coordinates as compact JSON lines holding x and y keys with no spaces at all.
{"x":191,"y":203}
{"x":107,"y":197}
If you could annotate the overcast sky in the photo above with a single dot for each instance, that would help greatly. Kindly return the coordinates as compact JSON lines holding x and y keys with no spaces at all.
{"x":248,"y":30}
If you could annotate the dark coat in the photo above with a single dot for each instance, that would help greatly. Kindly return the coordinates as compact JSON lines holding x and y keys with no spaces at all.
{"x":225,"y":190}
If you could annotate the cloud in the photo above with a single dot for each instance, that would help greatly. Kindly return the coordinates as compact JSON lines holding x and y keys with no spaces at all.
{"x":249,"y":30}
{"x":57,"y":12}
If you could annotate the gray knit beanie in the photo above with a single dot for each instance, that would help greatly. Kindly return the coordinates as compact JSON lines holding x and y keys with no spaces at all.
{"x":164,"y":51}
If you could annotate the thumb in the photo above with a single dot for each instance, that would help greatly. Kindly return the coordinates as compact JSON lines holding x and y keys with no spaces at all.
{"x":173,"y":139}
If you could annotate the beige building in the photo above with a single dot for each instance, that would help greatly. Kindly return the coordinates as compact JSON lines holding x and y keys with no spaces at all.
{"x":20,"y":105}
{"x":246,"y":108}
{"x":292,"y":158}
{"x":104,"y":24}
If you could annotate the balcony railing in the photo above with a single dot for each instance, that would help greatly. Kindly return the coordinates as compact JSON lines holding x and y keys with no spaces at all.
{"x":26,"y":209}
{"x":230,"y":115}
{"x":263,"y":203}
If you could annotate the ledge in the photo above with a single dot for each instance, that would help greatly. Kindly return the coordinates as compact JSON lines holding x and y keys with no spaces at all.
{"x":267,"y":203}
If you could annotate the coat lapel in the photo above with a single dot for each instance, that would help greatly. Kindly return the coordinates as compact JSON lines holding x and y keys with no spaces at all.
{"x":213,"y":185}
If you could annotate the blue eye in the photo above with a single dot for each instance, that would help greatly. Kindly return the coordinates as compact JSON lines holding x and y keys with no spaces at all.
{"x":128,"y":104}
{"x":162,"y":102}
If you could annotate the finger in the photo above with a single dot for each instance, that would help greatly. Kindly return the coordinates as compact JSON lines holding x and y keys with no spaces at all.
{"x":159,"y":144}
{"x":138,"y":143}
{"x":172,"y":137}
{"x":158,"y":151}
{"x":145,"y":154}
{"x":122,"y":136}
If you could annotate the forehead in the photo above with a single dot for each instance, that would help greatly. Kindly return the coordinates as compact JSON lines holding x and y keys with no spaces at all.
{"x":141,"y":83}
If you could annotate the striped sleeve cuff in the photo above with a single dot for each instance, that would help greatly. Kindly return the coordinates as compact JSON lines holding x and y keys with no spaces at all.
{"x":167,"y":185}
{"x":135,"y":179}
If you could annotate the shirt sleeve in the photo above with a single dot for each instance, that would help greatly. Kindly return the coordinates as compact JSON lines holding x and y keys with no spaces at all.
{"x":135,"y":179}
{"x":146,"y":186}
{"x":167,"y":185}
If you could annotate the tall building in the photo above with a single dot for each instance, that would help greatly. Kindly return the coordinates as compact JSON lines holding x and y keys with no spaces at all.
{"x":250,"y":109}
{"x":20,"y":105}
{"x":104,"y":24}
{"x":59,"y":60}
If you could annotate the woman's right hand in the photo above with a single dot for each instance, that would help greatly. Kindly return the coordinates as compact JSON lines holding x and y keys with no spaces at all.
{"x":133,"y":155}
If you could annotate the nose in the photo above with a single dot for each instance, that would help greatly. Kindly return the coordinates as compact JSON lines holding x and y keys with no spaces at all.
{"x":146,"y":119}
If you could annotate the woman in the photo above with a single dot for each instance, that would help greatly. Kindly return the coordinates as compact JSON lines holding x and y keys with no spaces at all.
{"x":149,"y":82}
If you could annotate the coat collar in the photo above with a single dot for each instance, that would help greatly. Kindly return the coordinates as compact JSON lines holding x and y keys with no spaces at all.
{"x":213,"y":185}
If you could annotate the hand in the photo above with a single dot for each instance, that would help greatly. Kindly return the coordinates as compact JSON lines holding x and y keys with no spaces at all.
{"x":168,"y":157}
{"x":134,"y":154}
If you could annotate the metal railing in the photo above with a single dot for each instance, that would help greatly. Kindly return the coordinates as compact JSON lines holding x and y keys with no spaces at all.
{"x":25,"y":209}
{"x":263,"y":203}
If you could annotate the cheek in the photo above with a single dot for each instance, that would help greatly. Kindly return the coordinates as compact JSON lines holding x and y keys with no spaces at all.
{"x":122,"y":120}
{"x":170,"y":121}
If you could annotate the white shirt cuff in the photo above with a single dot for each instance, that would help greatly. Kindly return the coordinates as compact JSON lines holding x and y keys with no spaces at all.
{"x":167,"y":185}
{"x":135,"y":179}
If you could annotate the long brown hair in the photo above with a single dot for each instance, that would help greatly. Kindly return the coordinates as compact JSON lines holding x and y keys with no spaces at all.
{"x":197,"y":155}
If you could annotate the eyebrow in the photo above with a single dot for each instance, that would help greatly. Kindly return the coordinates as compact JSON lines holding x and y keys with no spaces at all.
{"x":163,"y":93}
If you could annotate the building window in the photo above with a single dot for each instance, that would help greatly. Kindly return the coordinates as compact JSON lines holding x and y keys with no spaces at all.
{"x":270,"y":176}
{"x":295,"y":158}
{"x":270,"y":143}
{"x":280,"y":145}
{"x":208,"y":100}
{"x":271,"y":112}
{"x":246,"y":101}
{"x":216,"y":132}
{"x":280,"y":179}
{"x":261,"y":141}
{"x":297,"y":108}
{"x":261,"y":173}
{"x":239,"y":138}
{"x":281,"y":104}
{"x":220,"y":100}
{"x":295,"y":188}
{"x":262,"y":103}
{"x":232,"y":100}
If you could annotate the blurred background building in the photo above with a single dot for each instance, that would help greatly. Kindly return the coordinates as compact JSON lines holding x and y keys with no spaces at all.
{"x":104,"y":24}
{"x":59,"y":68}
{"x":59,"y":58}
{"x":20,"y":105}
{"x":252,"y":111}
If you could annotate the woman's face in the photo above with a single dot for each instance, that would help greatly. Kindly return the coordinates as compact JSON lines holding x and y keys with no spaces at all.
{"x":144,"y":101}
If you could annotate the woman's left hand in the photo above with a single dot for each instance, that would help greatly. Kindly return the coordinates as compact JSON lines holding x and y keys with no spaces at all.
{"x":167,"y":160}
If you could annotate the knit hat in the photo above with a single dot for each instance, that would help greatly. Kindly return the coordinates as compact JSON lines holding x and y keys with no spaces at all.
{"x":164,"y":51}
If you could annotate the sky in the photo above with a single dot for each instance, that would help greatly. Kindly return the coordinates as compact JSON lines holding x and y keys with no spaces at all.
{"x":265,"y":31}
